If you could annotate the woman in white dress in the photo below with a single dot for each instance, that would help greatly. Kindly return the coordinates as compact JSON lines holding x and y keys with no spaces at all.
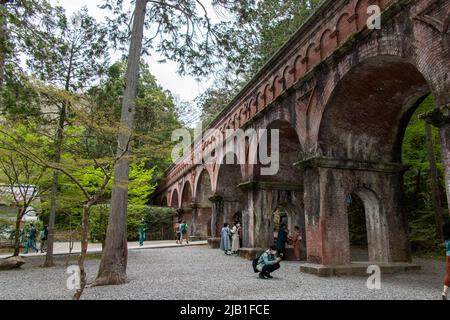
{"x":235,"y":238}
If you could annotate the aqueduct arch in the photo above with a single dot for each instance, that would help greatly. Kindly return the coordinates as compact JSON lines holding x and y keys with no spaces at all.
{"x":203,"y":206}
{"x":348,"y":92}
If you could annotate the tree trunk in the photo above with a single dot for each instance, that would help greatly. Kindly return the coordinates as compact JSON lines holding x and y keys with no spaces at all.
{"x":115,"y":254}
{"x":53,"y":206}
{"x":3,"y":39}
{"x":84,"y":247}
{"x":17,"y":234}
{"x":438,"y":216}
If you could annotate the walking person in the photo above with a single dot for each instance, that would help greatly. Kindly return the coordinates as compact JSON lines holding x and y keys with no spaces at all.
{"x":268,"y":263}
{"x":235,"y":238}
{"x":296,"y":241}
{"x":281,"y":240}
{"x":446,"y":233}
{"x":43,"y":237}
{"x":176,"y":229}
{"x":142,"y":230}
{"x":184,"y":232}
{"x":31,"y":241}
{"x":225,"y":244}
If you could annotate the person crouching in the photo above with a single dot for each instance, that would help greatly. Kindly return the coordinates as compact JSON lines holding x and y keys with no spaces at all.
{"x":268,"y":263}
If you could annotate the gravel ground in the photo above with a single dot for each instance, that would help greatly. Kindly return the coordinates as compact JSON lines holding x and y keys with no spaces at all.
{"x":199,"y":273}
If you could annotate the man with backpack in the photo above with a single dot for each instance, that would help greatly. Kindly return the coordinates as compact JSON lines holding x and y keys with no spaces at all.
{"x":184,"y":232}
{"x":31,"y":241}
{"x":43,"y":237}
{"x":267,"y":263}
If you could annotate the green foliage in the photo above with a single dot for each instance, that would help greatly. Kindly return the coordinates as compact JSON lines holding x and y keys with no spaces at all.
{"x":157,"y":219}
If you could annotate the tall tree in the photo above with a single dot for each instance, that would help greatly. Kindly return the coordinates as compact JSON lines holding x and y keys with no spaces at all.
{"x":257,"y":30}
{"x":77,"y":56}
{"x":186,"y":35}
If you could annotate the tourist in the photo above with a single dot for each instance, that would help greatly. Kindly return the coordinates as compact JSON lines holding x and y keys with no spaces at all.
{"x":296,"y":239}
{"x":176,"y":229}
{"x":184,"y":232}
{"x":281,"y":240}
{"x":446,"y":233}
{"x":43,"y":237}
{"x":31,"y":241}
{"x":268,"y":263}
{"x":142,"y":230}
{"x":225,"y":245}
{"x":235,"y":245}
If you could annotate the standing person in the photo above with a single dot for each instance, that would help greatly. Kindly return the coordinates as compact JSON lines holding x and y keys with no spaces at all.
{"x":296,"y":241}
{"x":176,"y":229}
{"x":268,"y":263}
{"x":31,"y":242}
{"x":184,"y":232}
{"x":446,"y":233}
{"x":235,"y":245}
{"x":142,"y":230}
{"x":281,"y":240}
{"x":43,"y":237}
{"x":225,"y":245}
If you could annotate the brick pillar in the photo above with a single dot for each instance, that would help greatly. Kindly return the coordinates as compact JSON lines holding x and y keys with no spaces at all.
{"x":194,"y":207}
{"x":328,"y":183}
{"x":216,"y":213}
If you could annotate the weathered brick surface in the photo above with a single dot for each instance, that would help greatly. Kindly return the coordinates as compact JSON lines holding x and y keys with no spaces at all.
{"x":347,"y":93}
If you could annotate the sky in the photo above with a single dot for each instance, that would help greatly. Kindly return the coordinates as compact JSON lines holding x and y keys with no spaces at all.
{"x":185,"y":88}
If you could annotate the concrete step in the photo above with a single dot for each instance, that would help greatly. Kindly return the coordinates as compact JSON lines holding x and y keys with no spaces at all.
{"x":356,"y":268}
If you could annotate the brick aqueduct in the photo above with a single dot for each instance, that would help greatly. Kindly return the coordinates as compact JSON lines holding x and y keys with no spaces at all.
{"x":341,"y":95}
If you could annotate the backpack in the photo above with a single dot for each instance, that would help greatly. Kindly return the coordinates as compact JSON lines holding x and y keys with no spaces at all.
{"x":255,"y":264}
{"x":183,"y":228}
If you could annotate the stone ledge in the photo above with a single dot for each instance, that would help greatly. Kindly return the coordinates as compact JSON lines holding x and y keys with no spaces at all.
{"x":197,"y":238}
{"x":250,"y":253}
{"x":349,"y":164}
{"x":356,"y":268}
{"x":214,"y":243}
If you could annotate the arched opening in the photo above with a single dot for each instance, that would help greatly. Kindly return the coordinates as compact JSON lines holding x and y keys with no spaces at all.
{"x":204,"y":205}
{"x":228,"y":198}
{"x":363,"y":130}
{"x":186,"y":205}
{"x":357,"y":228}
{"x":367,"y":227}
{"x":164,"y":202}
{"x":289,"y":216}
{"x":174,"y":203}
{"x":280,"y":191}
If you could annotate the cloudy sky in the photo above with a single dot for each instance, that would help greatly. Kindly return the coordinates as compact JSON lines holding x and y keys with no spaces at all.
{"x":185,"y":88}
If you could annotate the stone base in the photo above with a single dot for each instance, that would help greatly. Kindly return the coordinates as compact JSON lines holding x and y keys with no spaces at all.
{"x":356,"y":268}
{"x":214,"y":243}
{"x":197,"y":238}
{"x":250,"y":253}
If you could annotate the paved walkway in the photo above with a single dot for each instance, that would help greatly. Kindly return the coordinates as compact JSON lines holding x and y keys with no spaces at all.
{"x":61,"y":248}
{"x":199,"y":273}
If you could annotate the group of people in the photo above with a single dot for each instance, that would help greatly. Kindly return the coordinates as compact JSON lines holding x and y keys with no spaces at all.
{"x":230,"y":238}
{"x":30,"y":240}
{"x":293,"y":239}
{"x":181,"y":231}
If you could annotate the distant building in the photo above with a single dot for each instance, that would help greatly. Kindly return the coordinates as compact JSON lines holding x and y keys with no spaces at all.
{"x":8,"y":208}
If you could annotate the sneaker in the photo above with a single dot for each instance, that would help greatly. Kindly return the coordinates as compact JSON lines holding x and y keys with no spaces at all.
{"x":261,"y":276}
{"x":268,"y":276}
